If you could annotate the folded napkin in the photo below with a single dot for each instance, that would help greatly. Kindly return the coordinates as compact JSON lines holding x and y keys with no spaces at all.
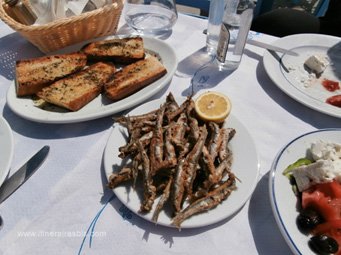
{"x":50,"y":10}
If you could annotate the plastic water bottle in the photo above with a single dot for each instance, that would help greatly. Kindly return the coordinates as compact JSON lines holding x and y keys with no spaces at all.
{"x":215,"y":17}
{"x":235,"y":27}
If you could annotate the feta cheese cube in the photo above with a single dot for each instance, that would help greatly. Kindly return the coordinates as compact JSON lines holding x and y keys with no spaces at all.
{"x":317,"y":172}
{"x":327,"y":165}
{"x":317,"y":64}
{"x":325,"y":150}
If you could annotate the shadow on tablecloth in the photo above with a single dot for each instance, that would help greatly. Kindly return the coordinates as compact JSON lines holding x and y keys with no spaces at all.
{"x":14,"y":47}
{"x":46,"y":131}
{"x":203,"y":71}
{"x":266,"y":234}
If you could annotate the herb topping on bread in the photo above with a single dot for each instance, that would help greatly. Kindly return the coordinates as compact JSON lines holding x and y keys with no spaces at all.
{"x":76,"y":90}
{"x":134,"y":77}
{"x":124,"y":50}
{"x":34,"y":74}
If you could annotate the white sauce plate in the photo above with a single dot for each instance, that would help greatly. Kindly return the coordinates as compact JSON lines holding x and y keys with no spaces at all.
{"x":100,"y":106}
{"x":283,"y":200}
{"x":245,"y":166}
{"x":289,"y":74}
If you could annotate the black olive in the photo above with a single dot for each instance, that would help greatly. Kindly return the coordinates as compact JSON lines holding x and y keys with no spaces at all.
{"x":323,"y":245}
{"x":308,"y":219}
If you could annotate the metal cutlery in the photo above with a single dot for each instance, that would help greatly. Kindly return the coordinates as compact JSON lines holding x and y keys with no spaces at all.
{"x":22,"y":175}
{"x":267,"y":46}
{"x":271,"y":47}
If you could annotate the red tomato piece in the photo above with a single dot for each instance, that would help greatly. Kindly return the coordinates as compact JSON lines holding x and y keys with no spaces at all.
{"x":333,"y":225}
{"x":330,"y":209}
{"x":331,"y":189}
{"x":324,"y":198}
{"x":311,"y":197}
{"x":330,"y":85}
{"x":334,"y":100}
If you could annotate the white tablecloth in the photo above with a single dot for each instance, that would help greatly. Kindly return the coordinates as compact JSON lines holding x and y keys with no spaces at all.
{"x":55,"y":211}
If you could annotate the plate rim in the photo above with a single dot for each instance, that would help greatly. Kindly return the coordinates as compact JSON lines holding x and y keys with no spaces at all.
{"x":236,"y":208}
{"x":7,"y":129}
{"x":107,"y":110}
{"x":271,"y":65}
{"x":271,"y":184}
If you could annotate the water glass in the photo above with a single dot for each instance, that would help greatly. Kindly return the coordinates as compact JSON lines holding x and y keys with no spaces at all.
{"x":152,"y":17}
{"x":238,"y":15}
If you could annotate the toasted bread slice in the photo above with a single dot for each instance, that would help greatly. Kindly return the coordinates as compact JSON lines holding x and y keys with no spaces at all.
{"x":125,"y":50}
{"x":76,"y":90}
{"x":34,"y":74}
{"x":134,"y":77}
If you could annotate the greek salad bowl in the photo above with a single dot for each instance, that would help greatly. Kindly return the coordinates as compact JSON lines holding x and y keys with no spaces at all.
{"x":289,"y":204}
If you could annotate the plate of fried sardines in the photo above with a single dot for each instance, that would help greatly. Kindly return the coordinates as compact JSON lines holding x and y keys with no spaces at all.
{"x":171,"y":168}
{"x":93,"y":80}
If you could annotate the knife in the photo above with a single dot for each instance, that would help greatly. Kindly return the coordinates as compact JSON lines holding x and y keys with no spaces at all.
{"x":23,"y":173}
{"x":271,"y":47}
{"x":266,"y":46}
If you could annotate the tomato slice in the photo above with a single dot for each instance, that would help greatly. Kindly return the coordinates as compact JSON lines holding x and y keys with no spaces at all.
{"x":329,"y":209}
{"x":334,"y":100}
{"x":330,"y":85}
{"x":330,"y":189}
{"x":325,"y":198}
{"x":329,"y":226}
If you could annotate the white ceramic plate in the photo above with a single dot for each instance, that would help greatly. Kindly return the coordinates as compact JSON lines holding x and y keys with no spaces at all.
{"x":100,"y":106}
{"x":283,"y":200}
{"x":6,"y":149}
{"x":245,"y":166}
{"x":288,"y":72}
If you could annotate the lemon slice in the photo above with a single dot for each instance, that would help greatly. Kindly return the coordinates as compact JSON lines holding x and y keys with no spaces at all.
{"x":213,"y":106}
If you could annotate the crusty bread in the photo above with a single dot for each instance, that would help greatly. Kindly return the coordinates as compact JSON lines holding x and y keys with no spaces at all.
{"x":34,"y":74}
{"x":134,"y":77}
{"x":76,"y":90}
{"x":124,"y":50}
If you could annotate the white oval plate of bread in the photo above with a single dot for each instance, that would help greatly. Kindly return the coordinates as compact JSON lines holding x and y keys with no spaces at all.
{"x":100,"y":106}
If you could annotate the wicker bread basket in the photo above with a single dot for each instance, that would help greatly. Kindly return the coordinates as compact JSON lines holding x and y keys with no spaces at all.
{"x":67,"y":31}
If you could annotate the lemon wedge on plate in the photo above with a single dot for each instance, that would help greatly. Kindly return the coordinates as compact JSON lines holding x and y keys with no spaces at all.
{"x":213,"y":106}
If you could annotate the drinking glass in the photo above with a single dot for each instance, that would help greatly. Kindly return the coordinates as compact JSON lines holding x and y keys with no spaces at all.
{"x":151,"y":16}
